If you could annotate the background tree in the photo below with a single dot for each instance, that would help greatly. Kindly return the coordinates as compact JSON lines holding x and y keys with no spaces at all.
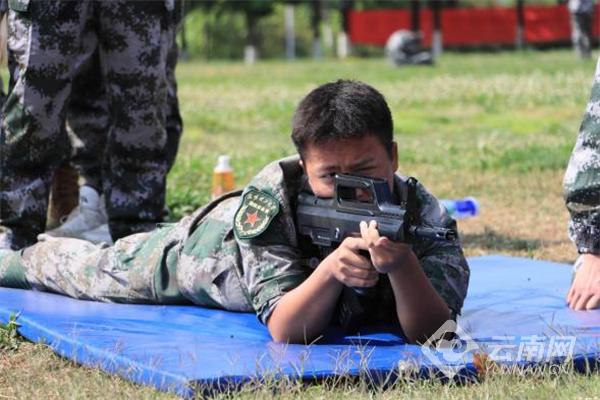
{"x":218,"y":10}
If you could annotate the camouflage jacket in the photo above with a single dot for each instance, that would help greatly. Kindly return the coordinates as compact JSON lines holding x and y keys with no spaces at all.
{"x":238,"y":268}
{"x":582,"y":178}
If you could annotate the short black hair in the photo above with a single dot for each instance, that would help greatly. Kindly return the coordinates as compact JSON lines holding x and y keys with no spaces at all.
{"x":340,"y":110}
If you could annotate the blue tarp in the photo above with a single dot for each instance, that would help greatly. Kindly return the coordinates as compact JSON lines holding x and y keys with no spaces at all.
{"x":515,"y":312}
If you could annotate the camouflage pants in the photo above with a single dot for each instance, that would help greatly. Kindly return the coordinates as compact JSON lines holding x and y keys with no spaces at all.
{"x":50,"y":41}
{"x":173,"y":264}
{"x":581,"y":33}
{"x":88,"y":115}
{"x":140,"y":268}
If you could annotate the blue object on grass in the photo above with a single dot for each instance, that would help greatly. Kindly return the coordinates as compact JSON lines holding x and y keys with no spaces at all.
{"x":462,"y":208}
{"x":515,"y":312}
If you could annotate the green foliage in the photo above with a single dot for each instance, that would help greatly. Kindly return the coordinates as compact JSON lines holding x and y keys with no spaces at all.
{"x":378,"y":4}
{"x":9,"y":337}
{"x":215,"y":33}
{"x":211,"y":35}
{"x":255,"y":7}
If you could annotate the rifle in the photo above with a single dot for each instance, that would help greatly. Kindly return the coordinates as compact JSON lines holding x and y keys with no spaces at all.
{"x":327,"y":222}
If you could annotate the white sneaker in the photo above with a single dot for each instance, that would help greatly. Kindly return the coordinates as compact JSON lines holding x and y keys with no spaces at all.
{"x":87,"y":216}
{"x":98,"y":235}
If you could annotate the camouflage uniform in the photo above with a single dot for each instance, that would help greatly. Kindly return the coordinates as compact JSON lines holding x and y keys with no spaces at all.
{"x":50,"y":40}
{"x":582,"y":179}
{"x":88,"y":115}
{"x":88,"y":123}
{"x":582,"y":15}
{"x":203,"y":260}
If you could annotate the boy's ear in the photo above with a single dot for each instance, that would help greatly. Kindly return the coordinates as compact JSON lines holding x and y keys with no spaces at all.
{"x":395,"y":156}
{"x":301,"y":163}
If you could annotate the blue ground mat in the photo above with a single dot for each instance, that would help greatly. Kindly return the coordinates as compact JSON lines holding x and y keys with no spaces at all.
{"x":515,"y":312}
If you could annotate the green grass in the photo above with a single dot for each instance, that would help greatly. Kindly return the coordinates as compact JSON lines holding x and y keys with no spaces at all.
{"x":504,"y":113}
{"x":9,"y":338}
{"x":499,"y":127}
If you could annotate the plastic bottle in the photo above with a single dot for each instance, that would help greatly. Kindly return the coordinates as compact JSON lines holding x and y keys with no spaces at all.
{"x":462,"y":208}
{"x":222,"y":181}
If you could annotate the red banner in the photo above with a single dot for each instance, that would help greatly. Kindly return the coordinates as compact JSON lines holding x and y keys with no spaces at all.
{"x":468,"y":26}
{"x":375,"y":26}
{"x":478,"y":26}
{"x":547,"y":24}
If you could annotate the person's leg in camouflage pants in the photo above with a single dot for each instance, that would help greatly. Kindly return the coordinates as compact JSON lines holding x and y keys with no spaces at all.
{"x":87,"y":127}
{"x":133,"y":43}
{"x":581,"y":33}
{"x":46,"y":40}
{"x":138,"y":269}
{"x":88,"y":123}
{"x":133,"y":56}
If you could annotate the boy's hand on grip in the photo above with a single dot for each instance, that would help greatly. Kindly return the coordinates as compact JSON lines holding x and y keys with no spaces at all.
{"x":386,"y":255}
{"x":351,"y":268}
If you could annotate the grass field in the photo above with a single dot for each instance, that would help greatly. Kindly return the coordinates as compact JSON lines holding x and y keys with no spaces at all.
{"x":499,"y":127}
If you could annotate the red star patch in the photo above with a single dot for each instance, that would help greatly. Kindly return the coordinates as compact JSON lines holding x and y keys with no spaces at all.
{"x":251,"y":219}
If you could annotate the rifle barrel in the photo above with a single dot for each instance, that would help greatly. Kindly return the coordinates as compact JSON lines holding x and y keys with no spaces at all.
{"x":432,"y":233}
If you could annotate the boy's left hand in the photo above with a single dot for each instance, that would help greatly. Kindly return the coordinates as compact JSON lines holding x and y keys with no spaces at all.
{"x":386,"y":255}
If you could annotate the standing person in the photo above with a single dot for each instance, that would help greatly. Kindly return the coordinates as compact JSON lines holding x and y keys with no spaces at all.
{"x":582,"y":196}
{"x":582,"y":15}
{"x":87,"y":125}
{"x":50,"y":41}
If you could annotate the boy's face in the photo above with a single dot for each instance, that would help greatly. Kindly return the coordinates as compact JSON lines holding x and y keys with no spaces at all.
{"x":364,"y":156}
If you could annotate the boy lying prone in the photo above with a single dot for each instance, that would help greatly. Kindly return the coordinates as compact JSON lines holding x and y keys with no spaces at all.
{"x":243,"y":251}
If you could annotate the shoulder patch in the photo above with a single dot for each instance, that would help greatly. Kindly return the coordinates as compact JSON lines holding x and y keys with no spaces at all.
{"x":256,"y":212}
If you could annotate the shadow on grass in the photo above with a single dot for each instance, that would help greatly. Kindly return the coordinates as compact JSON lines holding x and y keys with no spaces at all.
{"x":489,"y":239}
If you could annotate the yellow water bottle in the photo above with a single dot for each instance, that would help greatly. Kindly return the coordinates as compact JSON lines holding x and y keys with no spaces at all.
{"x":223,"y":181}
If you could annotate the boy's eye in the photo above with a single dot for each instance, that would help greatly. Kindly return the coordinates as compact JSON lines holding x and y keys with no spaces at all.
{"x":365,"y":171}
{"x":330,"y":175}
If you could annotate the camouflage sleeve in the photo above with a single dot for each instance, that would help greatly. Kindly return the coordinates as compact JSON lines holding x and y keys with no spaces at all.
{"x":443,"y":262}
{"x":582,"y":178}
{"x":271,"y":261}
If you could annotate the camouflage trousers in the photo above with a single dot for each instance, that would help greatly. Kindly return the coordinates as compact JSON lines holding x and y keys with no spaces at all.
{"x":88,"y":119}
{"x":581,"y":33}
{"x":134,"y":270}
{"x":50,"y":41}
{"x":173,"y":264}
